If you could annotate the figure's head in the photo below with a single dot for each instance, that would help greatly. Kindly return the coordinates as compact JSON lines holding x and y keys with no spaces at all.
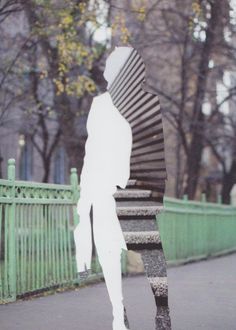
{"x":115,"y":62}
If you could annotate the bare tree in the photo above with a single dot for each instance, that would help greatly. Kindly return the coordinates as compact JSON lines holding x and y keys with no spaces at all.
{"x":11,"y":51}
{"x":8,"y":7}
{"x":179,"y":41}
{"x":67,"y":106}
{"x":221,"y":137}
{"x":45,"y":137}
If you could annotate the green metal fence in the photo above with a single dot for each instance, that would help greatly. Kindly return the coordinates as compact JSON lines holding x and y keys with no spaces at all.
{"x":37,"y":221}
{"x":194,"y":230}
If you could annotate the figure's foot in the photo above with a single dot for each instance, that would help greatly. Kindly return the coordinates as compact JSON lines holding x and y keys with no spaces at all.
{"x":82,"y":268}
{"x":118,"y":325}
{"x":83,"y":275}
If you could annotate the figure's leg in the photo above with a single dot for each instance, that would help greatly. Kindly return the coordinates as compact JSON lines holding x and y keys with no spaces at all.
{"x":83,"y":243}
{"x":109,"y":254}
{"x":111,"y":267}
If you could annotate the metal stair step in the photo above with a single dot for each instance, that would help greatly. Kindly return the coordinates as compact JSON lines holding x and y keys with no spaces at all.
{"x":159,"y":286}
{"x":132,"y":194}
{"x":140,"y":224}
{"x":137,"y":203}
{"x":131,"y":183}
{"x":148,"y":210}
{"x":142,"y":238}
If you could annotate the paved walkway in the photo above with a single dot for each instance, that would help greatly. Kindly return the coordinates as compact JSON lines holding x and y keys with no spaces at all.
{"x":202,"y":295}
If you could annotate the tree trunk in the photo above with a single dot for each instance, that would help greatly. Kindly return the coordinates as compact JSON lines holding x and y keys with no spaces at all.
{"x":226,"y":188}
{"x":66,"y":118}
{"x":1,"y":160}
{"x":46,"y":168}
{"x":194,"y":161}
{"x":229,"y":179}
{"x":197,"y":141}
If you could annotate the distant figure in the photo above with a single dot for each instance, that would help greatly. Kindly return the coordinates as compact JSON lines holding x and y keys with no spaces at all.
{"x":106,"y":166}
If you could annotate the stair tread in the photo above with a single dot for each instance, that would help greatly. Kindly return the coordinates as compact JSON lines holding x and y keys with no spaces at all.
{"x":142,"y":237}
{"x":131,"y":182}
{"x":138,"y":204}
{"x":159,"y":285}
{"x":132,"y":193}
{"x":142,"y":233}
{"x":135,"y":210}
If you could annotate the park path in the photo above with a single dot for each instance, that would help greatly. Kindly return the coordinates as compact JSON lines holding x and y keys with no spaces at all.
{"x":202,"y":295}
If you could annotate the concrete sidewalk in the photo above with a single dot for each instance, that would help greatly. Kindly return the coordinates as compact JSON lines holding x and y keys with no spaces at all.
{"x":202,"y":295}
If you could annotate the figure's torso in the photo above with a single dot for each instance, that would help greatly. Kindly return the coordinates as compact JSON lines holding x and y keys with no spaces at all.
{"x":108,"y":144}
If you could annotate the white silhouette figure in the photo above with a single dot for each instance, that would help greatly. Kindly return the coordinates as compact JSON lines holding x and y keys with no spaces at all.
{"x":106,"y":166}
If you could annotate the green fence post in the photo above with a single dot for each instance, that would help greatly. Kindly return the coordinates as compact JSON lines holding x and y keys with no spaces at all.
{"x":75,"y":197}
{"x":12,"y":235}
{"x":208,"y":228}
{"x":75,"y":193}
{"x":185,"y":242}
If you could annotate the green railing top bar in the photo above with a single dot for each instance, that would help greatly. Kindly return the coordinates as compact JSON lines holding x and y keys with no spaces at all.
{"x":11,"y":176}
{"x":31,"y":192}
{"x":43,"y":185}
{"x":192,"y":203}
{"x":200,"y":211}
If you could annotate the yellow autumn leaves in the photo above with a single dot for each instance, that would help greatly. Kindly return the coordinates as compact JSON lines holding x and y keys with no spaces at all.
{"x":75,"y":86}
{"x":119,"y":26}
{"x":65,"y":27}
{"x":196,"y":9}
